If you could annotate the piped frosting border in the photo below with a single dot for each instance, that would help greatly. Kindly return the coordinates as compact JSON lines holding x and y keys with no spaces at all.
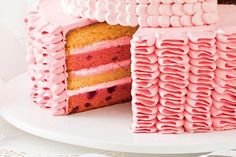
{"x":146,"y":13}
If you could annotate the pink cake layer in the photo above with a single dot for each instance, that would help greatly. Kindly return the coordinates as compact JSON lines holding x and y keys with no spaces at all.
{"x":146,"y":13}
{"x":184,"y":79}
{"x":110,"y":52}
{"x":100,"y":98}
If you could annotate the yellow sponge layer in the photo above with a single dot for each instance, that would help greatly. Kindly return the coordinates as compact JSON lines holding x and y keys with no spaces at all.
{"x":76,"y":82}
{"x":82,"y":37}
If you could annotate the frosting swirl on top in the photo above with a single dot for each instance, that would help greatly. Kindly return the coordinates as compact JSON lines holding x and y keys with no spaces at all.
{"x":161,"y":13}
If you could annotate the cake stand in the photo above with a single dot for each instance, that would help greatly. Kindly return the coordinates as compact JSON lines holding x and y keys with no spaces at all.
{"x":107,"y":128}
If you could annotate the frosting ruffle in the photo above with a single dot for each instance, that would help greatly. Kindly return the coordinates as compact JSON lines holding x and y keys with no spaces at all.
{"x":161,"y":13}
{"x":224,"y":96}
{"x":202,"y":66}
{"x":46,"y":32}
{"x":196,"y":85}
{"x":145,"y":89}
{"x":46,"y":58}
{"x":173,"y":80}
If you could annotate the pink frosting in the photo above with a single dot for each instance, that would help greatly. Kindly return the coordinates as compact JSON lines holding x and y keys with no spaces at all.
{"x":224,"y":108}
{"x":194,"y":81}
{"x":100,"y":69}
{"x":202,"y":81}
{"x":102,"y":45}
{"x":46,"y":30}
{"x":145,"y":13}
{"x":183,"y":79}
{"x":145,"y":90}
{"x":173,"y":80}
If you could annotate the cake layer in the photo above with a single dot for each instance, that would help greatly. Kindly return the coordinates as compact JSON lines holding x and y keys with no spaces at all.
{"x":101,"y":74}
{"x":146,"y":13}
{"x":82,"y":37}
{"x":100,"y":98}
{"x":91,"y":57}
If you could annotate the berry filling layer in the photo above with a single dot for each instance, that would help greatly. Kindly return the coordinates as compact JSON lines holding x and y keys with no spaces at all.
{"x":98,"y":57}
{"x":100,"y":98}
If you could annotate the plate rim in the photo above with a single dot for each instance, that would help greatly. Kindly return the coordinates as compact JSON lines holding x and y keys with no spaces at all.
{"x":105,"y":145}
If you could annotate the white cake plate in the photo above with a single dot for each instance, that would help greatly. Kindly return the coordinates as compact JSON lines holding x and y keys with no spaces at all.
{"x":107,"y":128}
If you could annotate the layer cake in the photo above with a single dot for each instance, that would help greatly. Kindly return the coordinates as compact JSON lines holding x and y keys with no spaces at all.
{"x":183,"y":62}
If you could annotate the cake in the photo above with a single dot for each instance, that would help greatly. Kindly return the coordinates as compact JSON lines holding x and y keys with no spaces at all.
{"x":76,"y":64}
{"x":181,"y":61}
{"x":98,"y":66}
{"x":146,"y":13}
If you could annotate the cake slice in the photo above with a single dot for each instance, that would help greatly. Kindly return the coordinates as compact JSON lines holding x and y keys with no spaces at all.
{"x":98,"y":66}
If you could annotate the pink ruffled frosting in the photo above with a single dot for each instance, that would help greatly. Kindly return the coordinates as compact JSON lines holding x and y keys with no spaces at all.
{"x":173,"y":80}
{"x":196,"y":86}
{"x":145,"y":89}
{"x":46,"y":59}
{"x":46,"y":54}
{"x":203,"y":64}
{"x":224,"y":96}
{"x":157,"y":13}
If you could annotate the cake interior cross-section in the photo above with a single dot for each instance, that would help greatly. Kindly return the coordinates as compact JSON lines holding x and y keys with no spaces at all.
{"x":98,"y":66}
